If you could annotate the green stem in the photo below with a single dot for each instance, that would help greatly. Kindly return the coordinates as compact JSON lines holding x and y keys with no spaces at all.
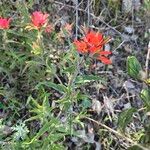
{"x":73,"y":77}
{"x":71,"y":86}
{"x":4,"y":39}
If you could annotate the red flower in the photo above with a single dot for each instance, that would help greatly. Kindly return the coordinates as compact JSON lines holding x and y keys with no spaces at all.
{"x":4,"y":23}
{"x":39,"y":19}
{"x":93,"y":43}
{"x":81,"y":46}
{"x":103,"y":57}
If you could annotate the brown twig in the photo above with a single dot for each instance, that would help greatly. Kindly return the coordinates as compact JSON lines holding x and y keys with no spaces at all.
{"x":92,"y":15}
{"x":147,"y":61}
{"x":117,"y":133}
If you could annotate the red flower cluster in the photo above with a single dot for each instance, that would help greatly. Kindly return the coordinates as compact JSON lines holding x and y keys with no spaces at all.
{"x":4,"y":23}
{"x":39,"y":19}
{"x":93,"y":43}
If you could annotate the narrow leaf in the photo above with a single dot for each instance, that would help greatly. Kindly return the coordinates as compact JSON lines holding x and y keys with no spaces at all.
{"x":125,"y":118}
{"x":58,"y":87}
{"x":145,"y":96}
{"x":88,"y":78}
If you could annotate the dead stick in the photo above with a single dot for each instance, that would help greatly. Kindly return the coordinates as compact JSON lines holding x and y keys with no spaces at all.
{"x":147,"y":61}
{"x":117,"y":133}
{"x":92,"y":15}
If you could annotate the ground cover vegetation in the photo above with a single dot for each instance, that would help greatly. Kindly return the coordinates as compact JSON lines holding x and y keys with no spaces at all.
{"x":74,"y":74}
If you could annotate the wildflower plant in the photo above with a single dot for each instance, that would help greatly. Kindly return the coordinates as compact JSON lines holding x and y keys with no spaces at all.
{"x":38,"y":20}
{"x":93,"y":44}
{"x":47,"y":84}
{"x":39,"y":23}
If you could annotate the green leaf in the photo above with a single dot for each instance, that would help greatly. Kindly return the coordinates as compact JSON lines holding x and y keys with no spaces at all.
{"x":1,"y":105}
{"x":125,"y":118}
{"x":33,"y":118}
{"x":134,"y":147}
{"x":86,"y":103}
{"x":88,"y":78}
{"x":45,"y":103}
{"x":58,"y":87}
{"x":23,"y":10}
{"x":145,"y":96}
{"x":69,"y":69}
{"x":133,"y":67}
{"x":46,"y":127}
{"x":55,"y":137}
{"x":30,"y":98}
{"x":20,"y":34}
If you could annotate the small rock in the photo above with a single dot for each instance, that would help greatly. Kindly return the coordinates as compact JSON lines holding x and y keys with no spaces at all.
{"x":128,"y":48}
{"x":96,"y":106}
{"x":127,"y":106}
{"x":107,"y":47}
{"x":129,"y":29}
{"x":128,"y":85}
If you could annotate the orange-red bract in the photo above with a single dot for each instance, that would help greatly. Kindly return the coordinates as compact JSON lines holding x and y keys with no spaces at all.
{"x":93,"y":43}
{"x":103,"y":57}
{"x":4,"y":23}
{"x":39,"y":19}
{"x":81,"y":46}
